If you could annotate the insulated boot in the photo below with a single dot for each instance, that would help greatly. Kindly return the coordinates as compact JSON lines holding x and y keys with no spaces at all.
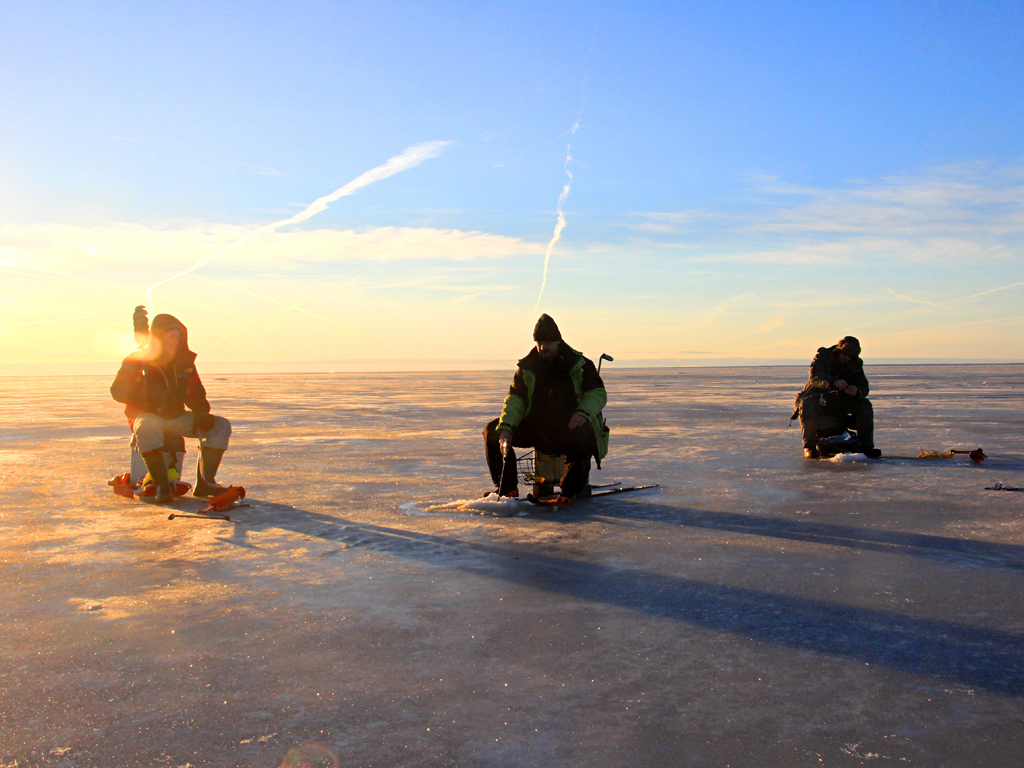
{"x":575,"y":483}
{"x":873,"y":453}
{"x":583,"y":493}
{"x":156,"y":463}
{"x":811,"y":452}
{"x":206,"y":471}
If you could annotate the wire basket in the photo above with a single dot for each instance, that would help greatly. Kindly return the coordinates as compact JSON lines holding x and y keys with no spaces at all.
{"x":525,"y":468}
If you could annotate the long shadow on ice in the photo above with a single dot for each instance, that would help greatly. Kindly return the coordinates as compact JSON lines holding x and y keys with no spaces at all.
{"x":942,"y":548}
{"x":984,"y":658}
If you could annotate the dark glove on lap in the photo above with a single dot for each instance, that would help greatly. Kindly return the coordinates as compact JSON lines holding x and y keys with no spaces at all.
{"x":203,"y":422}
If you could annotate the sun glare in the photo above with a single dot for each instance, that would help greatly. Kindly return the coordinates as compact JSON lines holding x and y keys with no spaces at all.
{"x":112,"y":344}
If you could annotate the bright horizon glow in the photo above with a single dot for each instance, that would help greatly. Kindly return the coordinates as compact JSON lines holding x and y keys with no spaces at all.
{"x":749,"y":182}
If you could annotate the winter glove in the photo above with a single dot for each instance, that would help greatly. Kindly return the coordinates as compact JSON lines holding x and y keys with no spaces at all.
{"x":202,"y":422}
{"x":140,"y":320}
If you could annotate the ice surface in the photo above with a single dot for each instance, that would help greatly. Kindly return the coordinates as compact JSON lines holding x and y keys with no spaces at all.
{"x":491,"y":504}
{"x":758,"y":609}
{"x":847,"y":458}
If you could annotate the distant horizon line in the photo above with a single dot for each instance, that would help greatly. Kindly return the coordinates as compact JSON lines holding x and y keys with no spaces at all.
{"x":366,"y":365}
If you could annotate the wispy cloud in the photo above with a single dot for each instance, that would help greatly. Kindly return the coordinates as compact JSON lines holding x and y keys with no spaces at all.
{"x":950,"y":201}
{"x":410,"y":158}
{"x":718,"y":310}
{"x":13,"y":262}
{"x":295,"y":306}
{"x":864,"y":250}
{"x":56,"y":248}
{"x":671,"y":221}
{"x":967,"y":211}
{"x":909,"y":298}
{"x":469,"y":292}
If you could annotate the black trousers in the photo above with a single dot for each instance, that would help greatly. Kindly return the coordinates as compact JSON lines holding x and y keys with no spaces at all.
{"x":578,"y":445}
{"x":837,"y":404}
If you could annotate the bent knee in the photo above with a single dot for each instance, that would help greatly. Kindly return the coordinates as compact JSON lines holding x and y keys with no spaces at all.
{"x":218,"y":436}
{"x":149,"y":432}
{"x":222,"y":426}
{"x":147,"y":423}
{"x":491,"y":430}
{"x":809,"y":408}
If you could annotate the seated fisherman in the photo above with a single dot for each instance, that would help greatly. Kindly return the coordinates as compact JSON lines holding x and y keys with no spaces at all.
{"x":156,"y":384}
{"x":553,"y":405}
{"x":836,"y":386}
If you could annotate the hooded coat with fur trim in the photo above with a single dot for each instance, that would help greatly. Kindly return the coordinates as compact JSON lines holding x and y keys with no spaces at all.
{"x":165,"y":391}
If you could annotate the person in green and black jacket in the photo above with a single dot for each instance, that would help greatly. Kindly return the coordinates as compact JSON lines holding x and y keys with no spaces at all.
{"x":553,"y":405}
{"x":836,"y":386}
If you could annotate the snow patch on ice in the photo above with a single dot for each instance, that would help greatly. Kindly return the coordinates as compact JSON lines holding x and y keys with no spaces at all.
{"x":492,"y":503}
{"x":847,"y":458}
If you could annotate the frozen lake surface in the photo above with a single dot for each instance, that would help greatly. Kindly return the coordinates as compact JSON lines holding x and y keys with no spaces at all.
{"x":755,"y":610}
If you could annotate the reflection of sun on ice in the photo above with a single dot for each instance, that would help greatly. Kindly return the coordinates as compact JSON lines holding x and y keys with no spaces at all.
{"x":114,"y":344}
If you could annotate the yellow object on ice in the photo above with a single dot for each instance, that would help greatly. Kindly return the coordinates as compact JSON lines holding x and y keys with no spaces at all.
{"x":172,"y":475}
{"x":935,"y":454}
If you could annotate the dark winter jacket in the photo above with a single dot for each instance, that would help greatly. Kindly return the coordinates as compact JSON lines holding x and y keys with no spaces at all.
{"x":552,"y":391}
{"x":145,"y":387}
{"x":826,"y":370}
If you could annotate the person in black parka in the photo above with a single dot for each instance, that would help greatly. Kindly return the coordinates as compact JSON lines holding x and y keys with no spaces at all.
{"x":836,"y":386}
{"x":553,"y":405}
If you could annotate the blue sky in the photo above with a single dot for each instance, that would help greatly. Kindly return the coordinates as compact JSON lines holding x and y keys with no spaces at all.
{"x":749,"y":180}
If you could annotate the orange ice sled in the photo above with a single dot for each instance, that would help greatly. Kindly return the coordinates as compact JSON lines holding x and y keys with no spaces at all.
{"x":225,"y":500}
{"x":123,"y":486}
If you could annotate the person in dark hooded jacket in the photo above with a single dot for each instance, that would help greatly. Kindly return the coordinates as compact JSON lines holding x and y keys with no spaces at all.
{"x":157,"y":384}
{"x":553,"y":405}
{"x":836,"y":386}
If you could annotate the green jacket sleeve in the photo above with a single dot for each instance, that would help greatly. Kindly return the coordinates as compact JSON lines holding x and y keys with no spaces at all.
{"x":593,"y":395}
{"x":516,"y":405}
{"x":593,"y":398}
{"x":593,"y":401}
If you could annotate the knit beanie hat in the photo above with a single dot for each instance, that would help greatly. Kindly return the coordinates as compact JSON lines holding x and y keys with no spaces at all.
{"x":850,"y":346}
{"x":546,"y":330}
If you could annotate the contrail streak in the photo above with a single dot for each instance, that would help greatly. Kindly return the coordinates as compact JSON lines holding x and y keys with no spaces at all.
{"x":560,"y":224}
{"x":910,"y":298}
{"x":411,"y":157}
